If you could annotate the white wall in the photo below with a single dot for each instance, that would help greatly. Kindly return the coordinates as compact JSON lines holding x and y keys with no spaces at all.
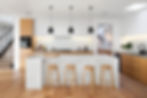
{"x":136,"y":23}
{"x":80,"y":24}
{"x":134,"y":28}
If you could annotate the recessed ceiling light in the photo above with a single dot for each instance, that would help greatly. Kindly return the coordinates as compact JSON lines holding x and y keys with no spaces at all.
{"x":136,"y":7}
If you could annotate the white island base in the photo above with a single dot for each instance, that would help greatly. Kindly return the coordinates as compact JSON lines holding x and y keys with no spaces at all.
{"x":37,"y":69}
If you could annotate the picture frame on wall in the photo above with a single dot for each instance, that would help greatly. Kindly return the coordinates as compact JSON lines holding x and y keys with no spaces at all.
{"x":105,"y":36}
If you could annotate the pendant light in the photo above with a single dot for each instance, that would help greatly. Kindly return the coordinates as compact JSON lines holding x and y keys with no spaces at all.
{"x":51,"y":28}
{"x":90,"y":28}
{"x":71,"y":28}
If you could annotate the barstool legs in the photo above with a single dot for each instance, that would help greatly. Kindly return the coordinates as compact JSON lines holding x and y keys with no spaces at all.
{"x":105,"y":68}
{"x":92,"y":75}
{"x":73,"y":78}
{"x":51,"y":81}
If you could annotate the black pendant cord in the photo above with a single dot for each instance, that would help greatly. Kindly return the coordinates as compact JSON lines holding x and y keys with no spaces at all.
{"x":71,"y":28}
{"x":90,"y":19}
{"x":51,"y":27}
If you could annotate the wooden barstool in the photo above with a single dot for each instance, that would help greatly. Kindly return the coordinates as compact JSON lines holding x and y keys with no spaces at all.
{"x":103,"y":69}
{"x":53,"y":68}
{"x":90,"y":69}
{"x":70,"y":68}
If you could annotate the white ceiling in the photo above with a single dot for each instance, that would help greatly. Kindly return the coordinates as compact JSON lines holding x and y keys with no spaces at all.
{"x":40,"y":7}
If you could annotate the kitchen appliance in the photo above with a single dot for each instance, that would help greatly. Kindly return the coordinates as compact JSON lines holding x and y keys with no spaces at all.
{"x":142,"y":49}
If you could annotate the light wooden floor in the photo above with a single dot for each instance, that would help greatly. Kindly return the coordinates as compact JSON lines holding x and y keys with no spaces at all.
{"x":12,"y":86}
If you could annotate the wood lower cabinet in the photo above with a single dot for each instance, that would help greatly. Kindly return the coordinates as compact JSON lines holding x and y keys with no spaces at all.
{"x":135,"y":67}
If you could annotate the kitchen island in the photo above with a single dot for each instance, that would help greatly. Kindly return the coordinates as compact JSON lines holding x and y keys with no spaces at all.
{"x":79,"y":61}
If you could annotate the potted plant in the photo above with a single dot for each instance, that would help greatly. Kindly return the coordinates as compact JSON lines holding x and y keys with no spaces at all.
{"x":127,"y":46}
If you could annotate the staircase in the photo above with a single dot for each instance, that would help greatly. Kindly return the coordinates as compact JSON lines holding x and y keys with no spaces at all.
{"x":6,"y":60}
{"x":6,"y":46}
